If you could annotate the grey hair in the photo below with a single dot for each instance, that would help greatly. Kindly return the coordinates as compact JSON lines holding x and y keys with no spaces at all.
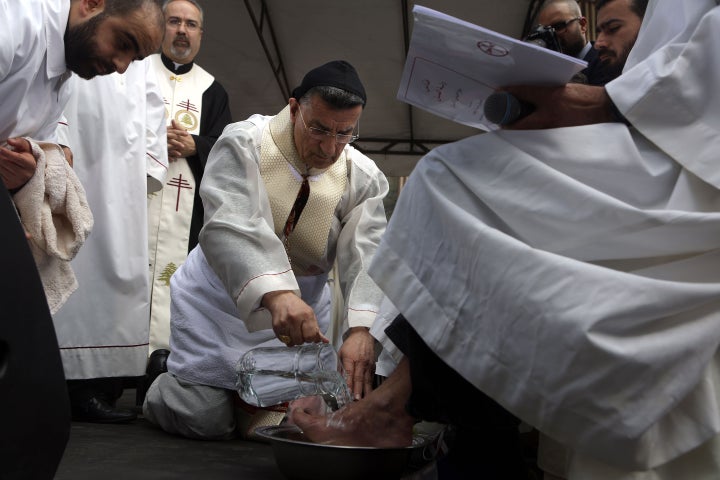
{"x":194,"y":2}
{"x":337,"y":97}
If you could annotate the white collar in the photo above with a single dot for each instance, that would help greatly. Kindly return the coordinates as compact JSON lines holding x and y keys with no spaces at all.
{"x":584,"y":51}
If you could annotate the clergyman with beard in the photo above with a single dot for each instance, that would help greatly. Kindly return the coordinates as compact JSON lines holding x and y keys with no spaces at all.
{"x":197,"y":111}
{"x":49,"y":39}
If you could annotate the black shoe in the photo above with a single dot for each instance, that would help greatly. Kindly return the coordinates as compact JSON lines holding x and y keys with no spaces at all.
{"x":157,"y":364}
{"x":97,"y":410}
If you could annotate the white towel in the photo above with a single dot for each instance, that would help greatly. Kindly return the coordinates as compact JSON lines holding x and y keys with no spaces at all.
{"x":54,"y":211}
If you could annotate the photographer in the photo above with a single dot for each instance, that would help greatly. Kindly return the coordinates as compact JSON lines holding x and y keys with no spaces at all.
{"x":561,"y":27}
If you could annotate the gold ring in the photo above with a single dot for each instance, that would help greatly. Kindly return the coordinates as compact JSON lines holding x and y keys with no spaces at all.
{"x":285,"y":339}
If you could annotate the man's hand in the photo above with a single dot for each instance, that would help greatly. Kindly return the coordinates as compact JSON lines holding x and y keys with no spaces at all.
{"x":571,"y":105}
{"x":17,"y":163}
{"x":293,"y":320}
{"x":357,"y":355}
{"x":180,"y":143}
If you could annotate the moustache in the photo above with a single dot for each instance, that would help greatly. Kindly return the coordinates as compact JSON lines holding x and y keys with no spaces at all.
{"x":606,"y":54}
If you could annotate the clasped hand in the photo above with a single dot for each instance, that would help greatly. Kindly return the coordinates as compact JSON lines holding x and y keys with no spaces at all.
{"x":181,"y":144}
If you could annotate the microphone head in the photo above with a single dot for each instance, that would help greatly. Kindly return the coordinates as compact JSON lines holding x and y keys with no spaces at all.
{"x":503,"y":108}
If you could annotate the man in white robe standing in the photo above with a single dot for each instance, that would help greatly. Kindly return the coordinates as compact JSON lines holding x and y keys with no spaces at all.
{"x":42,"y":42}
{"x":575,"y":271}
{"x":102,"y":329}
{"x":198,"y":109}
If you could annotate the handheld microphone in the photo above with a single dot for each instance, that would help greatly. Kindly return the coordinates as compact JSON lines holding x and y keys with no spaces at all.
{"x":503,"y":108}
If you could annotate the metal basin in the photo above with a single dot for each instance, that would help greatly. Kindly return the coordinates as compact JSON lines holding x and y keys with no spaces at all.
{"x":300,"y":459}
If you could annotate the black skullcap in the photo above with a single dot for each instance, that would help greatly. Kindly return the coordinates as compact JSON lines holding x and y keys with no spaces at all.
{"x":338,"y":73}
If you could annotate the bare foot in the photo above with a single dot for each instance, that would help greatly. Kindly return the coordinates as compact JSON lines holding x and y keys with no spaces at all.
{"x":378,"y":420}
{"x":311,"y":405}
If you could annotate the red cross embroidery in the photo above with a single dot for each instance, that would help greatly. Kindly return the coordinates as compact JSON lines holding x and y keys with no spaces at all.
{"x":180,"y":184}
{"x":187,"y":105}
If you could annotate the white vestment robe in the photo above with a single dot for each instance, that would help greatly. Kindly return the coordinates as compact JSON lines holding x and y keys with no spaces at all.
{"x":116,"y":129}
{"x":574,"y":274}
{"x":171,"y":208}
{"x":216,"y":313}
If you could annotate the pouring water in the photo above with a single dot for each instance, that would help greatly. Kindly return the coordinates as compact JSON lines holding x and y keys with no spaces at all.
{"x":273,"y":375}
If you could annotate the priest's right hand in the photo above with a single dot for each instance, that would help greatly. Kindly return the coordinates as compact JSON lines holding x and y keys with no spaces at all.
{"x":293,"y":320}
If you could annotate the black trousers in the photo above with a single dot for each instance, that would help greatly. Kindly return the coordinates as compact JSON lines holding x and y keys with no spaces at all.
{"x":485,"y":442}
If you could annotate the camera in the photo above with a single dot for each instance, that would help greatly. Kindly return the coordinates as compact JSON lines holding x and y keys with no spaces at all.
{"x":545,"y":37}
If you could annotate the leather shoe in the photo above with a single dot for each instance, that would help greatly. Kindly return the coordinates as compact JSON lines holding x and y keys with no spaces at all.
{"x":97,"y":410}
{"x":157,"y":364}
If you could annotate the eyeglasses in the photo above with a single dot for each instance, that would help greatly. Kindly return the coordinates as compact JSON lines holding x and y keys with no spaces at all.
{"x":561,"y":26}
{"x":320,"y":134}
{"x":191,"y":25}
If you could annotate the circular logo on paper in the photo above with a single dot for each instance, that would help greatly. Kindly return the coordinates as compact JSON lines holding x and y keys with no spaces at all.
{"x":492,"y":49}
{"x":187,"y":119}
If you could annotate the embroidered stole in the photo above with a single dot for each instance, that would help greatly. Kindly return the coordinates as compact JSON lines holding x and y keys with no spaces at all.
{"x":170,"y":210}
{"x":281,"y":170}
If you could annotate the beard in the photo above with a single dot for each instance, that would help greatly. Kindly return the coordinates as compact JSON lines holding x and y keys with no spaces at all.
{"x":614,"y":64}
{"x":573,"y":47}
{"x":81,"y":51}
{"x":181,"y":52}
{"x":612,"y":68}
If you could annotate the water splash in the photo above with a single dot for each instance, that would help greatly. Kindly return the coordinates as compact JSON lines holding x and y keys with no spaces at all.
{"x":334,"y":390}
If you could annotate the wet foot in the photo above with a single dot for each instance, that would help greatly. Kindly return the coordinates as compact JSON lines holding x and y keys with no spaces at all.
{"x":378,"y":420}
